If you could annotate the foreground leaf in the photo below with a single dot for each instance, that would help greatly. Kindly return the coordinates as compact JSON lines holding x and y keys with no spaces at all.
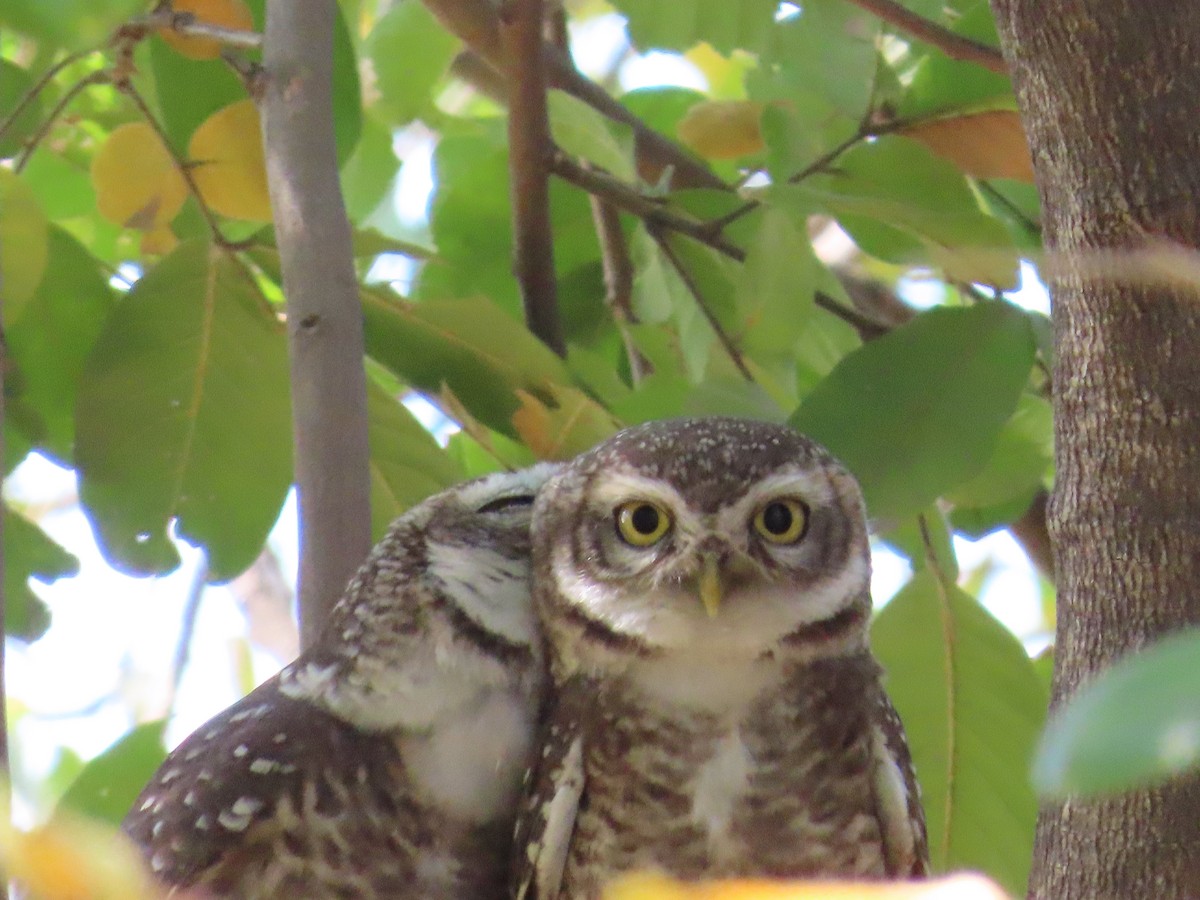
{"x":972,"y":706}
{"x":183,"y":413}
{"x":74,"y":858}
{"x":660,"y":887}
{"x":1137,"y":723}
{"x":110,"y":782}
{"x":919,"y":410}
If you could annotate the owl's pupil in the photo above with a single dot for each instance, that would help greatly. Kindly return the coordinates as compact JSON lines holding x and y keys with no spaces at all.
{"x":777,"y":518}
{"x":644,"y":519}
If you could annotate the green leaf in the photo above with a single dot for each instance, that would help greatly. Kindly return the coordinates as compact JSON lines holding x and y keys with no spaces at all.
{"x":972,"y":707}
{"x":109,"y":783}
{"x":63,"y":188}
{"x":24,"y":245}
{"x":407,"y":465}
{"x":369,"y":242}
{"x":346,"y":91}
{"x":775,"y":287}
{"x":368,"y":173}
{"x":1023,"y":454}
{"x":189,"y":90}
{"x":1136,"y":724}
{"x":49,"y":344}
{"x":829,"y":52}
{"x":30,"y":553}
{"x":579,"y":130}
{"x":470,"y":345}
{"x":70,"y":24}
{"x":918,"y":411}
{"x":903,"y":204}
{"x":940,"y":84}
{"x":15,"y":83}
{"x":409,"y":52}
{"x":684,"y":23}
{"x":183,"y":413}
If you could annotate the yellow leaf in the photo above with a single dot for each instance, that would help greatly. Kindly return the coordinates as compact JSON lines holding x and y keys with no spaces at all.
{"x":137,"y":182}
{"x":982,"y":144}
{"x":573,"y":423}
{"x":722,"y":129}
{"x":726,"y":75}
{"x":651,"y":886}
{"x":229,"y":171}
{"x":159,"y":242}
{"x":232,"y":14}
{"x":72,"y":858}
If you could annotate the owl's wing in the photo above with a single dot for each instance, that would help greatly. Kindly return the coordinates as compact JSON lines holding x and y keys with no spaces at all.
{"x":898,"y":797}
{"x":211,"y":810}
{"x":545,"y":826}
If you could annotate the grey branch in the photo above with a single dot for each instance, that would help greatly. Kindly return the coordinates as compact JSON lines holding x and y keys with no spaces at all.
{"x":325,"y":336}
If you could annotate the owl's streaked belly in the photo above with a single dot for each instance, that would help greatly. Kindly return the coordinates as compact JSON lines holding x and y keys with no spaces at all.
{"x":757,"y":792}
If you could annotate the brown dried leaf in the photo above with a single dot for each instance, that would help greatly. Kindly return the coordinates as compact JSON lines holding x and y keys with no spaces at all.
{"x":982,"y":144}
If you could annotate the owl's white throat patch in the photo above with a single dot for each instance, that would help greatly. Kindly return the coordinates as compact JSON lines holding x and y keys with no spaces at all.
{"x":720,"y":784}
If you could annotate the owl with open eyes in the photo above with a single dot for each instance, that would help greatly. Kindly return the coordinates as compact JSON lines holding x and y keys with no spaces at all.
{"x":715,"y":711}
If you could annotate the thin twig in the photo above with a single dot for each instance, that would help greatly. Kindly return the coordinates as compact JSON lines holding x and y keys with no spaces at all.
{"x":529,"y":181}
{"x":716,"y":226}
{"x":631,"y":200}
{"x":664,"y":244}
{"x":868,"y":329}
{"x":97,"y":77}
{"x":618,"y":281}
{"x":476,"y":23}
{"x":187,"y":628}
{"x":187,"y":25}
{"x":181,"y":164}
{"x":39,"y":86}
{"x":953,"y":45}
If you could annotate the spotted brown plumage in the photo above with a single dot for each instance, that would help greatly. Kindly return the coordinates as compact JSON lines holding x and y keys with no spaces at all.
{"x":714,"y":707}
{"x":386,"y":760}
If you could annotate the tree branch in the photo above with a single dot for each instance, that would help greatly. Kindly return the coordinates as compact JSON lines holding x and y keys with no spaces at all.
{"x":631,"y":200}
{"x":476,"y":23}
{"x":324,"y":316}
{"x":953,"y":45}
{"x":187,"y":25}
{"x":529,"y":150}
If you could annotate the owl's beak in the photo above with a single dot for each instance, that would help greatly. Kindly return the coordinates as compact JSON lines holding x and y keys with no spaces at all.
{"x":710,"y":584}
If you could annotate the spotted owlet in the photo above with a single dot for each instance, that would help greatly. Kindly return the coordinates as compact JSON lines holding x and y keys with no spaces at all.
{"x":386,"y":761}
{"x":715,"y":711}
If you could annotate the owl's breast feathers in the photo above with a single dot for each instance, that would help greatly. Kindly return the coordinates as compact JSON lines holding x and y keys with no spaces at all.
{"x":807,"y":780}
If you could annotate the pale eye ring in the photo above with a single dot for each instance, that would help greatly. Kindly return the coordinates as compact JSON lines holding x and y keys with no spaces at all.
{"x":782,"y":521}
{"x":641,"y":523}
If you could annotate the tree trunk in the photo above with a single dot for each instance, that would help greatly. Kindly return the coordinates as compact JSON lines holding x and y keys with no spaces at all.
{"x":1109,"y":93}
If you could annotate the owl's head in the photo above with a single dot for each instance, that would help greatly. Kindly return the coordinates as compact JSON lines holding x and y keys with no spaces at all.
{"x":718,"y":537}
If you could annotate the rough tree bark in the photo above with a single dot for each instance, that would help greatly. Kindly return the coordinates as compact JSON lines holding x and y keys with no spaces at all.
{"x":325,"y":332}
{"x":1108,"y":93}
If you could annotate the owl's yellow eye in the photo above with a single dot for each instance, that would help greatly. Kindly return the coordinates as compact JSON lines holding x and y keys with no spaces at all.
{"x":642,"y":523}
{"x":782,"y":521}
